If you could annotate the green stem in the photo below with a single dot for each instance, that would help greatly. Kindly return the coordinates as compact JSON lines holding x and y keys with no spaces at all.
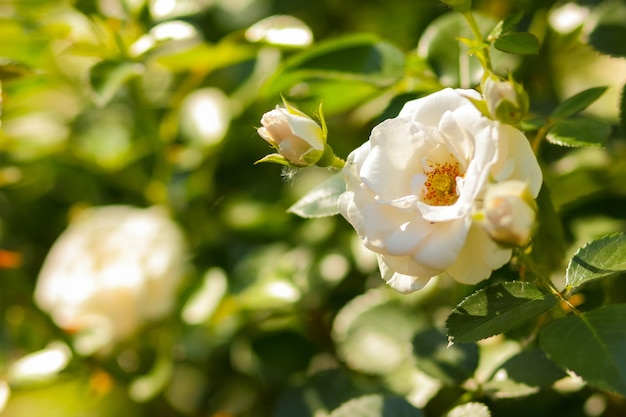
{"x":329,"y":159}
{"x":544,"y":281}
{"x":560,"y":296}
{"x":483,"y":54}
{"x":541,"y":134}
{"x":469,"y":16}
{"x":338,"y":163}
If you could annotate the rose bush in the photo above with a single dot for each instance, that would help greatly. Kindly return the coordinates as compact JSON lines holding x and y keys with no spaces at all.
{"x":413,"y":189}
{"x":112,"y":269}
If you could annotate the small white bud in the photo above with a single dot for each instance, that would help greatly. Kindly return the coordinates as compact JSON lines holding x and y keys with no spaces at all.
{"x":298,"y":139}
{"x":509,"y":213}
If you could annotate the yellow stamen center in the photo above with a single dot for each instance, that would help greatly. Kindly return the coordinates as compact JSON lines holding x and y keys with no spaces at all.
{"x":440,"y":185}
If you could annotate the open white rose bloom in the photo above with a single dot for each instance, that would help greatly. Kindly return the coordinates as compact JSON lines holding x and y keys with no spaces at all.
{"x":111,"y":270}
{"x":413,"y":189}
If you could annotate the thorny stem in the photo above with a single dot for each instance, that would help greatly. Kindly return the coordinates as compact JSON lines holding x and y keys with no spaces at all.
{"x":473,"y":25}
{"x":484,"y":53}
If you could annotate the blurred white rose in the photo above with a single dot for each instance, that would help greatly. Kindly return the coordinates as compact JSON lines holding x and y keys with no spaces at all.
{"x":509,"y":212}
{"x":112,"y":269}
{"x":413,"y":189}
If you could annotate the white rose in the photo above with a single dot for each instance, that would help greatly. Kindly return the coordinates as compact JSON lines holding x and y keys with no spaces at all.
{"x":112,"y":269}
{"x":413,"y":188}
{"x":509,"y":212}
{"x":297,"y":138}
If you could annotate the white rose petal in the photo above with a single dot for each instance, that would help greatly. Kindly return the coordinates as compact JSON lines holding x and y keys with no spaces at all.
{"x":413,"y":189}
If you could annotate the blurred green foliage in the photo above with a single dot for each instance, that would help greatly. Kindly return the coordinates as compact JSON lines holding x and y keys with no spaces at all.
{"x":101,"y":107}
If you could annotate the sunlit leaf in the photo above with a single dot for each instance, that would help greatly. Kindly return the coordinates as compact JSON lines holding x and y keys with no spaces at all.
{"x":355,"y":57}
{"x":523,"y":43}
{"x":472,"y":409}
{"x":204,"y":58}
{"x":371,"y":324}
{"x":601,"y":258}
{"x":506,"y":25}
{"x":322,"y":200}
{"x":450,"y":364}
{"x":147,"y":386}
{"x":497,"y":309}
{"x":108,"y":76}
{"x":579,"y":132}
{"x":591,"y":344}
{"x":105,"y":399}
{"x":281,"y":30}
{"x":339,"y":95}
{"x":377,"y":406}
{"x":577,"y":102}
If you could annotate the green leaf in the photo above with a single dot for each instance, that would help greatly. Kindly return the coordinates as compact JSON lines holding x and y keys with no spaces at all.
{"x":148,"y":386}
{"x":321,"y":201}
{"x":506,"y":25}
{"x":205,"y":57}
{"x":577,"y":102}
{"x":10,"y":69}
{"x":330,"y":388}
{"x":609,"y":40}
{"x":531,"y":368}
{"x":372,"y":323}
{"x":496,"y":309}
{"x":600,"y":258}
{"x":274,"y":158}
{"x":592,"y":344}
{"x":533,"y":123}
{"x":472,"y":409}
{"x":609,"y":33}
{"x":579,"y":132}
{"x":522,"y":43}
{"x":548,"y":244}
{"x":450,"y":364}
{"x":361,"y":57}
{"x":377,"y":406}
{"x":108,"y":76}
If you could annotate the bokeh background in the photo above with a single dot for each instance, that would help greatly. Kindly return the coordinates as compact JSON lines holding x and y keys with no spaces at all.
{"x":154,"y":104}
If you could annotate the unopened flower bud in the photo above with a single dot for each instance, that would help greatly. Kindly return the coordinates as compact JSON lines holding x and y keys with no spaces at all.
{"x":509,"y":213}
{"x":507,"y":101}
{"x":298,"y":139}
